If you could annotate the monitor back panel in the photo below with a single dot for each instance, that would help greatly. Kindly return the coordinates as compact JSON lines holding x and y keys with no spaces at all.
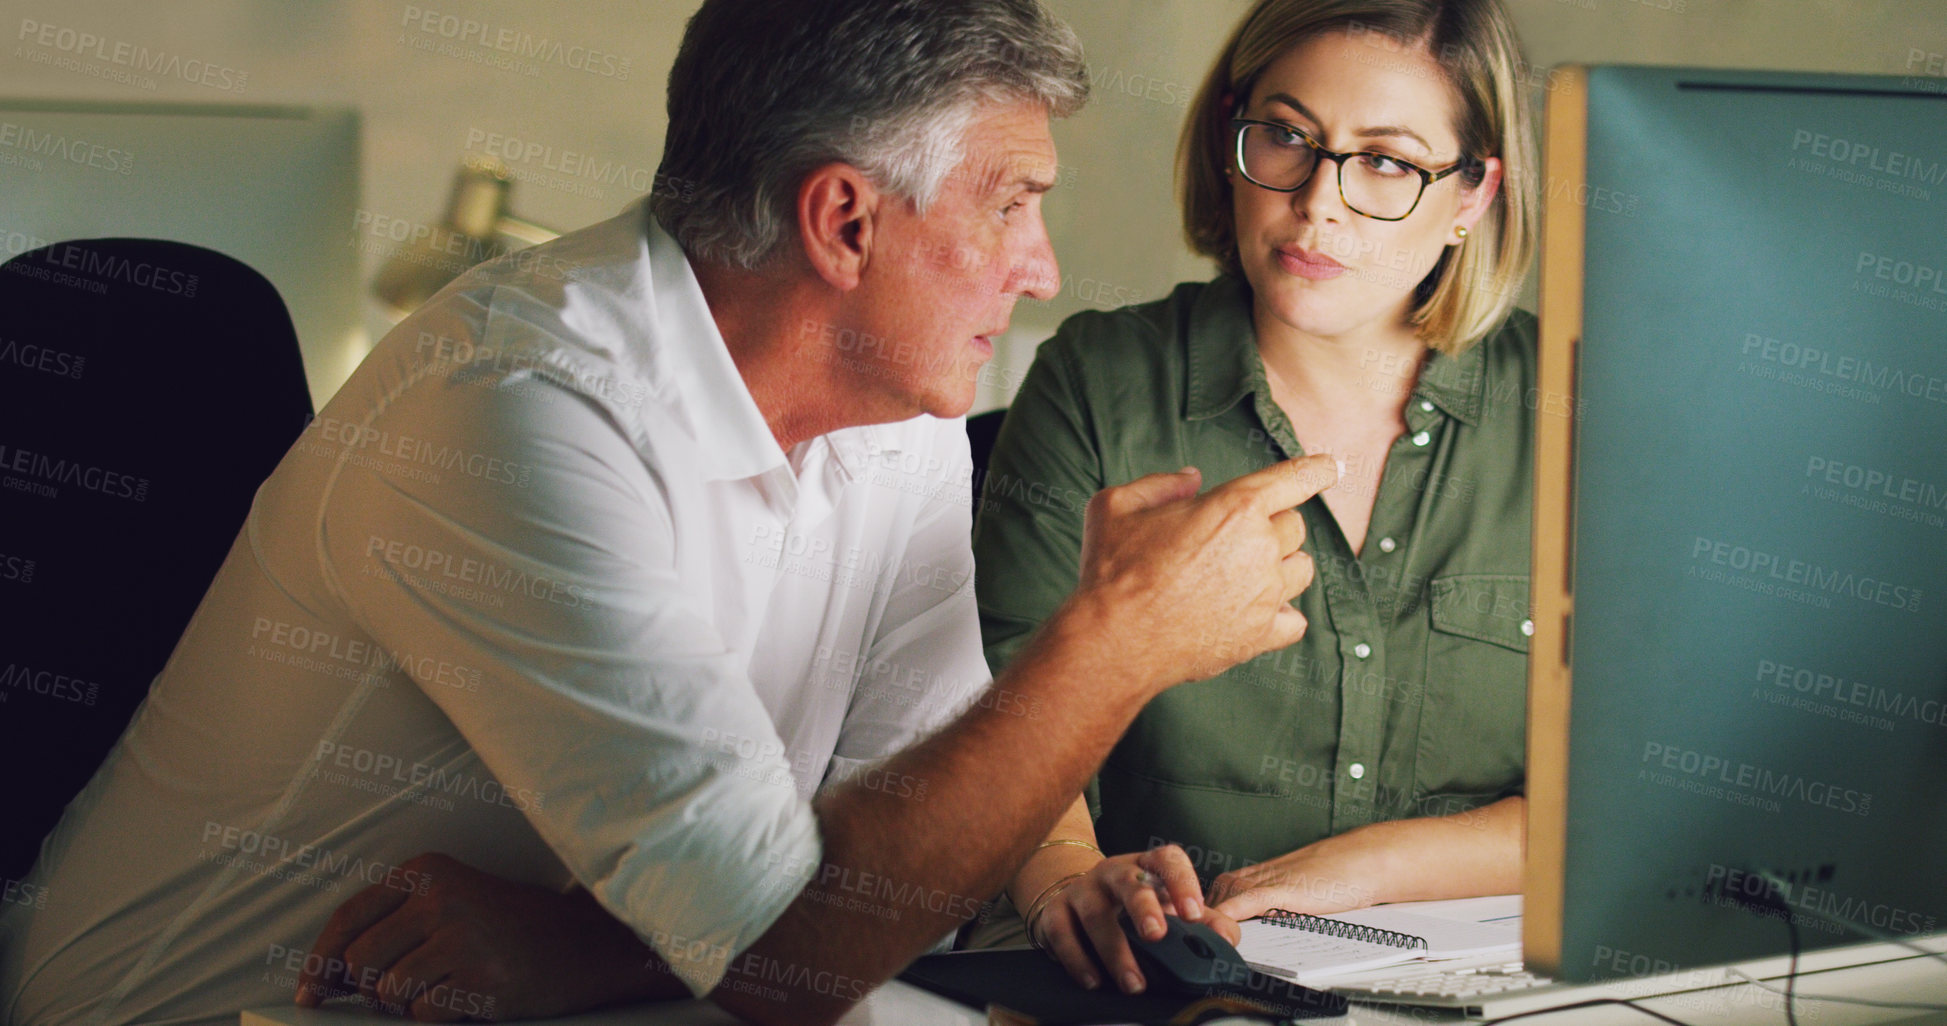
{"x":1748,"y":639}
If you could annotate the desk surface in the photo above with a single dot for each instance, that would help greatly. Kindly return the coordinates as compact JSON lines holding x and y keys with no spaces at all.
{"x":895,"y":1004}
{"x":1917,"y":980}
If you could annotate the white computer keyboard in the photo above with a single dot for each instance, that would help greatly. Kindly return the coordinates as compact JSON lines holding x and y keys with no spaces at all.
{"x":1459,"y":983}
{"x":1469,"y":990}
{"x":1494,"y":989}
{"x":1490,"y":987}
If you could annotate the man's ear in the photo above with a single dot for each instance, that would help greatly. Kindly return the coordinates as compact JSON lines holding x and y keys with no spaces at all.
{"x":837,"y":208}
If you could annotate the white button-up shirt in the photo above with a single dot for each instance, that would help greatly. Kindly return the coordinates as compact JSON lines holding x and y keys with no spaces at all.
{"x":539,"y":590}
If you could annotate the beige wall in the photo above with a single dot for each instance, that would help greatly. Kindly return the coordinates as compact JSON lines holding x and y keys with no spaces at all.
{"x":1112,"y":220}
{"x":1116,"y":229}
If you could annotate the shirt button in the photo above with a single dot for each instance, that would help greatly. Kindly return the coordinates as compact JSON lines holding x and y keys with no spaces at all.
{"x":1427,"y":406}
{"x":1356,"y":771}
{"x":1387,"y":545}
{"x":1422,"y":438}
{"x":1527,"y":628}
{"x":1362,"y":650}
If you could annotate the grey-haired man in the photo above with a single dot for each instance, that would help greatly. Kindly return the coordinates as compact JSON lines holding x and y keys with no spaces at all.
{"x":631,"y":575}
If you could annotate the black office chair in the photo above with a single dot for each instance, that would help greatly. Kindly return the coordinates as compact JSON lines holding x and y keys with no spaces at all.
{"x":146,"y":389}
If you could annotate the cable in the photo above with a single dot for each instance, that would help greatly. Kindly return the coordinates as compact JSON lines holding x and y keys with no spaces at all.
{"x":1780,"y":886}
{"x":1837,"y":998}
{"x":1587,"y":1004}
{"x":1774,"y":900}
{"x":1791,"y":974}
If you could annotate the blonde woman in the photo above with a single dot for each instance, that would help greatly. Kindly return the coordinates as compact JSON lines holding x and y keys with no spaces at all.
{"x":1361,"y":172}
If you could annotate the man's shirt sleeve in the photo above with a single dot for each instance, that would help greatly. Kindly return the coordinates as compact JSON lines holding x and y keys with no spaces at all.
{"x":924,"y":666}
{"x":538,"y":548}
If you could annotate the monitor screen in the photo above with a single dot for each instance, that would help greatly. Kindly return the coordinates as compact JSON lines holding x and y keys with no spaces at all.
{"x":1739,"y":681}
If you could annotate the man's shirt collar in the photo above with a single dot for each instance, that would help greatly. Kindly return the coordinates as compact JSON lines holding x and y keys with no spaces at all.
{"x":709,"y":396}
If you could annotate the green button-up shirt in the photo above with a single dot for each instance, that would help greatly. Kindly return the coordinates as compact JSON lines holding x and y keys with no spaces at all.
{"x":1406,"y":697}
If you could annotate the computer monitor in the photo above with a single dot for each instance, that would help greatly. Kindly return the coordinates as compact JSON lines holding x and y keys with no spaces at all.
{"x":1738,"y":687}
{"x":273,"y":186}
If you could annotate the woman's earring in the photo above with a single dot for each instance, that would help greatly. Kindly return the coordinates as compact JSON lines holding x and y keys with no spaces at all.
{"x":1462,"y":232}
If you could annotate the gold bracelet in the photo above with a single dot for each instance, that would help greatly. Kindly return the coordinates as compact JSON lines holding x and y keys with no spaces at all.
{"x":1041,"y":901}
{"x":1066,"y":840}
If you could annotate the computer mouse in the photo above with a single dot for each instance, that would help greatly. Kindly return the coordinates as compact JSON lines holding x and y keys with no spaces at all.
{"x":1190,"y":958}
{"x":1194,"y":960}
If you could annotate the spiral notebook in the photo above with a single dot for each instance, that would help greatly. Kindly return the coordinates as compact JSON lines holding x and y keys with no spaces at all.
{"x":1312,"y":949}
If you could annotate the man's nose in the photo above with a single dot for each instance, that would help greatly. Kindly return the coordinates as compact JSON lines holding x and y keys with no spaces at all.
{"x":1039,"y":274}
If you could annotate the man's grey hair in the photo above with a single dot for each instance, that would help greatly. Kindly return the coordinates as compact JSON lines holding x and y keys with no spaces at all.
{"x":765,"y":91}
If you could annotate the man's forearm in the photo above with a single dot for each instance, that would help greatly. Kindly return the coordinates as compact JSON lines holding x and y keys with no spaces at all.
{"x":1174,"y":587}
{"x":900,"y":872}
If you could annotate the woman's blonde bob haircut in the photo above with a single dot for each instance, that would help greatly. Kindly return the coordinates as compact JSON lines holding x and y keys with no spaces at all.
{"x":1472,"y":288}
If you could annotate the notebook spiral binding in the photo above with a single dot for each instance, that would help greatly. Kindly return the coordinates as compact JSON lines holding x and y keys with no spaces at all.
{"x":1347,"y":931}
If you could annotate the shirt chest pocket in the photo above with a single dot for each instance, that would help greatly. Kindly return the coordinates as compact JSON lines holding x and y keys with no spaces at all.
{"x":1473,"y":722}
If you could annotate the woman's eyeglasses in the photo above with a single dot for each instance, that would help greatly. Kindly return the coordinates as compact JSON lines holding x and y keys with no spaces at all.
{"x":1377,"y":185}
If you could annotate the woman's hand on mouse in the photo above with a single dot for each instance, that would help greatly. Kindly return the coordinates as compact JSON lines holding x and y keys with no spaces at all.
{"x":1079,"y":924}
